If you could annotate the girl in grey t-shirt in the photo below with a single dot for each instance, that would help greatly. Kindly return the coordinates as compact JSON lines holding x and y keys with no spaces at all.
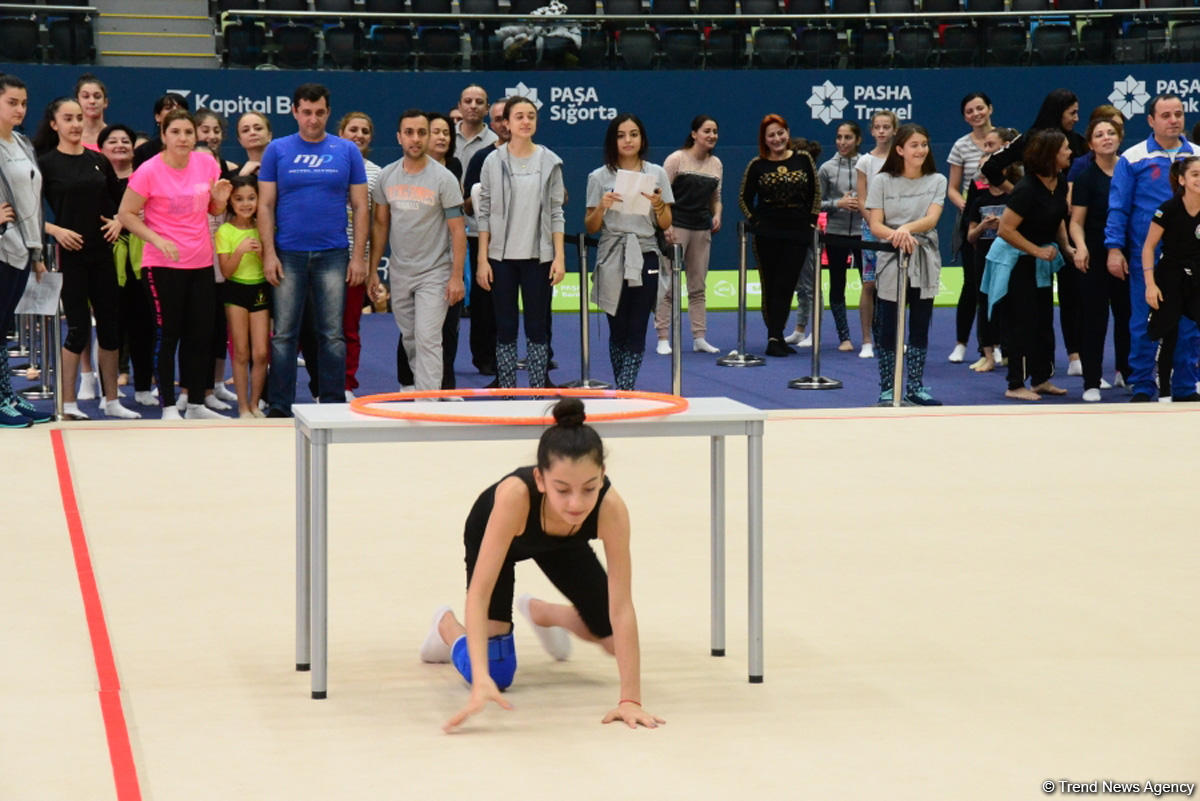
{"x":904,"y":204}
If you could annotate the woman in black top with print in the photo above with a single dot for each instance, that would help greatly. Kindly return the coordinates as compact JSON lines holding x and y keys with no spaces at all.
{"x":780,"y":199}
{"x":1035,"y":223}
{"x":547,"y":513}
{"x":1173,"y":285}
{"x":83,"y":193}
{"x":1100,"y":290}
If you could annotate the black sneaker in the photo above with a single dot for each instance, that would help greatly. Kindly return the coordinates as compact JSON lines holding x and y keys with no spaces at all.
{"x":26,"y":408}
{"x":777,"y":347}
{"x":486,"y":369}
{"x":1192,"y":398}
{"x":273,"y":412}
{"x":1140,"y":397}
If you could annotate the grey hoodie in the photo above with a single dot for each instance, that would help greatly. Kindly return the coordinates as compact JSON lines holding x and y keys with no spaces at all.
{"x":495,"y":195}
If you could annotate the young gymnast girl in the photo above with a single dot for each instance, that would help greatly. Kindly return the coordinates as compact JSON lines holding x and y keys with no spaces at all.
{"x":245,"y":294}
{"x":1173,"y":285}
{"x":547,"y":513}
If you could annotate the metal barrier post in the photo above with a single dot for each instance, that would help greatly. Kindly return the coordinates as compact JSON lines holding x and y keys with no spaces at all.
{"x":815,"y":380}
{"x":676,"y":319}
{"x":20,"y":346}
{"x":739,"y":357}
{"x":901,"y":304}
{"x":46,"y":360}
{"x":586,"y":381}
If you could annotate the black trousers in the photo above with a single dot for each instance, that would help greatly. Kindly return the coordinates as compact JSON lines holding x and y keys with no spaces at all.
{"x":627,"y":328}
{"x":968,"y":299}
{"x":483,"y":317}
{"x":137,"y":329}
{"x":920,"y":313}
{"x":839,"y":258}
{"x":90,"y":289}
{"x":183,"y":301}
{"x":1070,"y":307}
{"x":1100,"y":294}
{"x":1030,"y":315}
{"x":779,"y":263}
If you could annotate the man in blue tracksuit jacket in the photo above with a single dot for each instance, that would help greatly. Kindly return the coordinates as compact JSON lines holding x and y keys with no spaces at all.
{"x":1140,"y":184}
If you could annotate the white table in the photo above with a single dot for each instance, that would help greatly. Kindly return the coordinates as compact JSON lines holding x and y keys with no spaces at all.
{"x":319,"y":426}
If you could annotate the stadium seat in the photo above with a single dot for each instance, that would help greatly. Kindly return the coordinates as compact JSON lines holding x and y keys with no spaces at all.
{"x":390,"y":47}
{"x":914,"y":46}
{"x":819,"y":47}
{"x":295,"y":46}
{"x":1095,"y":42}
{"x":725,"y":48}
{"x":1052,"y":43}
{"x":871,"y":47}
{"x":71,"y":40}
{"x":19,"y":39}
{"x":439,"y":48}
{"x":1142,"y":43}
{"x":343,"y":46}
{"x":637,"y":48}
{"x":1006,"y":44}
{"x":682,"y":48}
{"x":960,"y":46}
{"x":774,"y":47}
{"x":1185,"y":41}
{"x":760,"y":8}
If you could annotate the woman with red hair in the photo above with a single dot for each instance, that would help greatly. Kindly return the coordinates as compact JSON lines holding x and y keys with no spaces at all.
{"x":780,"y":199}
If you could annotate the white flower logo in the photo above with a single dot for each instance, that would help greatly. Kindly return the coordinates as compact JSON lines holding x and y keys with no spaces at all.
{"x":827,"y":102}
{"x":521,"y":90}
{"x":1129,"y":96}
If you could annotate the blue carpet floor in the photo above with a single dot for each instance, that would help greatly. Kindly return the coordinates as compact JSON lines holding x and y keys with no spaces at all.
{"x":763,"y":387}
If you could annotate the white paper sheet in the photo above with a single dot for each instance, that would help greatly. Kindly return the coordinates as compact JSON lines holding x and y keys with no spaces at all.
{"x":630,"y":186}
{"x":41,"y":297}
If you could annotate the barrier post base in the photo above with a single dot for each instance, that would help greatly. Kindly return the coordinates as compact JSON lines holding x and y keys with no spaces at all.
{"x":586,"y":383}
{"x":37,"y":394}
{"x":814,"y":382}
{"x":735,"y":359}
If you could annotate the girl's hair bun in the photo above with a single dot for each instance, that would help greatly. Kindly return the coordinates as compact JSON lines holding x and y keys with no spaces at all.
{"x":568,"y":413}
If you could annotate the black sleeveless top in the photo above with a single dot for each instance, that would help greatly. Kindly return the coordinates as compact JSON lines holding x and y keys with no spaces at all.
{"x":533,"y":540}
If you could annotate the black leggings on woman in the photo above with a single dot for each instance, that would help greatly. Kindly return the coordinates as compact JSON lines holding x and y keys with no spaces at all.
{"x":779,"y":263}
{"x":532,"y":278}
{"x":1029,"y":313}
{"x":183,"y":301}
{"x":627,"y":328}
{"x":920,"y":313}
{"x":1101,"y":292}
{"x":838,"y":265}
{"x":90,"y":288}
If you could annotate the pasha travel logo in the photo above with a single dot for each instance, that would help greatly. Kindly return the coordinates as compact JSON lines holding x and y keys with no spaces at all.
{"x":1129,"y":96}
{"x":569,"y":104}
{"x":239,"y":104}
{"x":828,"y":101}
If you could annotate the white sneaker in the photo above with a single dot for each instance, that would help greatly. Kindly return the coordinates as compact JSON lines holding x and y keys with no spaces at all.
{"x":181,"y":402}
{"x":1075,"y":367}
{"x":196,"y":411}
{"x":997,"y":356}
{"x":867,"y":352}
{"x":89,"y":387}
{"x":664,"y":348}
{"x":958,"y":354}
{"x":349,"y":395}
{"x":1104,"y":384}
{"x":408,"y":387}
{"x":1118,"y":381}
{"x":212,"y":402}
{"x":113,"y":408}
{"x":221,"y":392}
{"x":701,"y":345}
{"x":806,"y":342}
{"x":554,"y":639}
{"x":1091,"y":395}
{"x":794,"y":337}
{"x":145,"y":399}
{"x":434,"y":649}
{"x":170,"y":413}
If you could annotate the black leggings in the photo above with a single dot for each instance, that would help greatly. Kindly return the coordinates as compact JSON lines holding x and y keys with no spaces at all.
{"x":574,"y":571}
{"x":779,"y":263}
{"x":1070,"y":307}
{"x":90,"y":289}
{"x":627,"y":328}
{"x":183,"y":301}
{"x":1029,"y":311}
{"x":483,"y":317}
{"x":1100,"y":293}
{"x":137,"y":329}
{"x":920,"y":312}
{"x":532,"y":279}
{"x":968,"y":299}
{"x":838,"y":259}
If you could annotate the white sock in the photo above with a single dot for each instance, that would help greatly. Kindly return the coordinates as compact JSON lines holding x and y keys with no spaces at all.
{"x":72,"y":410}
{"x":434,"y":648}
{"x":145,"y":399}
{"x":87,"y":386}
{"x":216,"y":404}
{"x":198,"y":411}
{"x":222,"y":392}
{"x":113,"y":408}
{"x":555,"y":639}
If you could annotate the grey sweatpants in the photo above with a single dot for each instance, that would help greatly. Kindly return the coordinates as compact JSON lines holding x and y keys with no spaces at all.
{"x":419,"y":306}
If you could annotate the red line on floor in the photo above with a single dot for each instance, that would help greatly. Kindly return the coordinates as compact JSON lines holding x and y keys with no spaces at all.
{"x":119,"y":751}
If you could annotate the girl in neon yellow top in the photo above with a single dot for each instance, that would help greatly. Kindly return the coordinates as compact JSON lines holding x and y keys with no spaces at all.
{"x":246,"y":294}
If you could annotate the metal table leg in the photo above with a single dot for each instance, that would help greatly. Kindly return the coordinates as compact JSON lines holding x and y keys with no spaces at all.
{"x":717,"y":523}
{"x":320,"y":564}
{"x":303,"y":552}
{"x":754,"y":536}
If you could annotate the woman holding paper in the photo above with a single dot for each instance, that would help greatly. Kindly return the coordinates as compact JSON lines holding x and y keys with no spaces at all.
{"x":780,"y":199}
{"x":626,"y":199}
{"x":520,"y":221}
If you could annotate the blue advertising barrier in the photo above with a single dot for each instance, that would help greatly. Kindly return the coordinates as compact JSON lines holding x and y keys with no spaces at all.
{"x":575,"y":107}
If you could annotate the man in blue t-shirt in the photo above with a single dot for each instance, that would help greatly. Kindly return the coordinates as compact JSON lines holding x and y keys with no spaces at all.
{"x":303,"y":184}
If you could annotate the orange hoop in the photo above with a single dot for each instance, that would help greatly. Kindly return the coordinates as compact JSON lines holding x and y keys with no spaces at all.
{"x":672,"y":404}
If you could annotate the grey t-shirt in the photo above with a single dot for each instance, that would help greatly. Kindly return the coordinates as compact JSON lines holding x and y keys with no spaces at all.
{"x":602,"y":180}
{"x":23,"y":234}
{"x":524,"y":213}
{"x":420,"y":204}
{"x":903,"y":200}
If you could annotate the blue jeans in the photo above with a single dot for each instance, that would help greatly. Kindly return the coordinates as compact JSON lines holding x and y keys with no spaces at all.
{"x":318,"y":278}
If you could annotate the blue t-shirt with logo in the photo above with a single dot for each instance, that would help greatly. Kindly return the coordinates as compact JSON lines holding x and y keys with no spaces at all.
{"x":312,"y":180}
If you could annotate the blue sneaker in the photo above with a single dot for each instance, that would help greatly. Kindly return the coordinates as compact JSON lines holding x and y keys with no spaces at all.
{"x":11,"y":418}
{"x":920,"y":396}
{"x":26,"y":408}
